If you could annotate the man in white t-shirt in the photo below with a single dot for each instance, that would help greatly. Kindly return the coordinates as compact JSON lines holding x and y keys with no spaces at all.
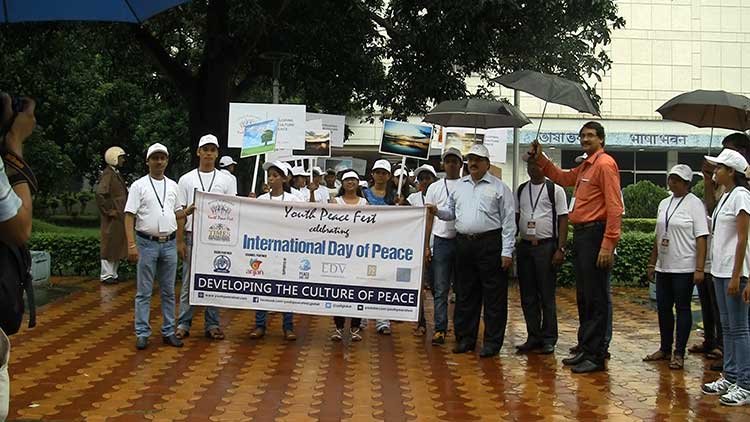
{"x":442,"y":257}
{"x":321,"y":193}
{"x":150,"y":226}
{"x":542,"y":215}
{"x":208,"y":179}
{"x":228,"y":166}
{"x":331,"y":182}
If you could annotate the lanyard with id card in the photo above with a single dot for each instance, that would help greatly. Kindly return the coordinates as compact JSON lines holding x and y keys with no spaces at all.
{"x":531,"y":224}
{"x":664,"y":244}
{"x":163,"y":222}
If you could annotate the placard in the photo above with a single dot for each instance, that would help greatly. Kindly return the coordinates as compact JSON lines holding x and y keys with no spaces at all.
{"x":317,"y":144}
{"x":259,"y":138}
{"x":406,"y":139}
{"x":290,"y":118}
{"x":335,"y":123}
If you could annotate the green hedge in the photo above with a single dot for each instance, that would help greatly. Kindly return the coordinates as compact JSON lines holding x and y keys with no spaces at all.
{"x":73,"y":254}
{"x":644,"y":225}
{"x":71,"y":221}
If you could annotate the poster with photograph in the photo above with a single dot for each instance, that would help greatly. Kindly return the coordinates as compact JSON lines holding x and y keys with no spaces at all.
{"x":259,"y":138}
{"x":290,"y":123}
{"x":335,"y":123}
{"x":462,"y":138}
{"x":317,"y":144}
{"x":406,"y":139}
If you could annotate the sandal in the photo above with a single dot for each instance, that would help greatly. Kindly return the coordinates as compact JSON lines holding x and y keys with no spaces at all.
{"x":420,"y":331}
{"x":215,"y":334}
{"x":715,"y":354}
{"x":258,"y":332}
{"x":698,"y":348}
{"x":181,"y":334}
{"x":678,"y":362}
{"x":658,"y":355}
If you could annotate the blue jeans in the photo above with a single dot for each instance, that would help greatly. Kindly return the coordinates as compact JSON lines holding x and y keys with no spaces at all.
{"x":674,"y":290}
{"x":287,"y":324}
{"x":211,"y":315}
{"x":733,"y":312}
{"x":160,"y":260}
{"x":442,"y":266}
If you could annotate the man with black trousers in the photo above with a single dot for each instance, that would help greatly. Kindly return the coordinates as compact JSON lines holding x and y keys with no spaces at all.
{"x":484,"y":210}
{"x":596,"y":214}
{"x":542,"y":214}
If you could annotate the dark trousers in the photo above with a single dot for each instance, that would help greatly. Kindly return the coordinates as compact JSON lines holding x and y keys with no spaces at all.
{"x":674,"y":291}
{"x":339,"y":321}
{"x":537,"y":279}
{"x":591,"y":292}
{"x":713,"y":336}
{"x":480,"y":283}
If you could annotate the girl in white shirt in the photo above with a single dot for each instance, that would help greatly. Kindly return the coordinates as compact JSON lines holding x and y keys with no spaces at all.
{"x":678,"y":258}
{"x":730,"y":267}
{"x":349,"y":194}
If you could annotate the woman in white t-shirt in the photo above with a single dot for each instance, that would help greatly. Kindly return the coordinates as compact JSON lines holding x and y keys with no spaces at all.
{"x":349,"y":194}
{"x":678,"y":258}
{"x":279,"y":191}
{"x":730,"y":267}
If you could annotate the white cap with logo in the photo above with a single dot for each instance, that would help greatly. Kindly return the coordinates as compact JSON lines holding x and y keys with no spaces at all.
{"x":731,"y":159}
{"x":208,"y":139}
{"x":479,"y":150}
{"x":157,"y":147}
{"x":683,"y":171}
{"x":382,"y":164}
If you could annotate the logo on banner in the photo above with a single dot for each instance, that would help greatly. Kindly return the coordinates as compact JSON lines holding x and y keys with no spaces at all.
{"x":200,"y":295}
{"x":360,"y":307}
{"x":255,"y":267}
{"x":333,"y":269}
{"x":372,"y":270}
{"x":283,"y":267}
{"x":219,"y":233}
{"x":403,"y":275}
{"x":222,"y":264}
{"x":304,"y":269}
{"x":220,"y":210}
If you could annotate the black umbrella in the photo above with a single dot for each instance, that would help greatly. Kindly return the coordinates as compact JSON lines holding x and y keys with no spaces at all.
{"x":476,"y":113}
{"x":712,"y":109}
{"x":551,"y":89}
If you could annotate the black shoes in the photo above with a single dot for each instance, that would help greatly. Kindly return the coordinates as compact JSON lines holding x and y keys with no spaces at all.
{"x":463,"y":348}
{"x":141,"y":343}
{"x":488,"y":352}
{"x":546,"y":349}
{"x":172,"y":341}
{"x":527,"y":347}
{"x":587,"y":366}
{"x":573,"y":361}
{"x":110,"y":280}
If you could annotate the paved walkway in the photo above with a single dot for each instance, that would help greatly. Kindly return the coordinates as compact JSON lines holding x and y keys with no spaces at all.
{"x":80,"y":364}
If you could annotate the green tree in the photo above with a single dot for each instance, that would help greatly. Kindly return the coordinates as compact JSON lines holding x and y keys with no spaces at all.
{"x":642,"y":199}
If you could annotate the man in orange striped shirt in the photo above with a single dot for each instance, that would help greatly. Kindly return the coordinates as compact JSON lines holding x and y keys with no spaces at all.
{"x":595,"y":212}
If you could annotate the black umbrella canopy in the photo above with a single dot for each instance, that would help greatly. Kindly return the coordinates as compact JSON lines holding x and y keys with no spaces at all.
{"x":550,"y":88}
{"x":476,"y":113}
{"x":704,"y":108}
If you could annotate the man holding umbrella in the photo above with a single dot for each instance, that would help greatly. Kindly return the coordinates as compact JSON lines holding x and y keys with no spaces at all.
{"x":595,"y":211}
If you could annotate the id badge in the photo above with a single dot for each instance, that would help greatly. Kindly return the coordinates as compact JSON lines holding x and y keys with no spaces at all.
{"x":531,"y":228}
{"x":164,"y":224}
{"x":664,"y":245}
{"x":572,"y":204}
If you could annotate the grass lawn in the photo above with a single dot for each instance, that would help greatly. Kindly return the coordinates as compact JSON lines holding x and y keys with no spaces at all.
{"x":41,"y":226}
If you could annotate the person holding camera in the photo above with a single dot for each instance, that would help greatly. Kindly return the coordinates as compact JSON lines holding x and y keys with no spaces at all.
{"x":17,"y":182}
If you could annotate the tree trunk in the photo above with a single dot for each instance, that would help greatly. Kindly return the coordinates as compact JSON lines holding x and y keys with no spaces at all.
{"x":209,"y":105}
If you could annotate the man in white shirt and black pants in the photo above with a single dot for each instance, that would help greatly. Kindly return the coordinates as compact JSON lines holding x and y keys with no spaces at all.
{"x":151,"y":207}
{"x":208,"y":179}
{"x":542,"y":213}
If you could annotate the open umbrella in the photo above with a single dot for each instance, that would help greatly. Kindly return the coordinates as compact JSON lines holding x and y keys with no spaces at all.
{"x":133,"y":11}
{"x":702,"y":108}
{"x":551,"y":89}
{"x":476,"y":113}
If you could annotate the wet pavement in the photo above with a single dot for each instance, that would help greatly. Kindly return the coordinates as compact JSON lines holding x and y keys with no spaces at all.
{"x":80,"y":364}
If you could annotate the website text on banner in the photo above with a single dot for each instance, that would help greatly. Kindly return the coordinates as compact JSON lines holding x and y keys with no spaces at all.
{"x":308,"y":258}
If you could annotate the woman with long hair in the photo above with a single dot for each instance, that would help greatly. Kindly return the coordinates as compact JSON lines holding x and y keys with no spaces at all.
{"x":349,"y":194}
{"x":730,"y":267}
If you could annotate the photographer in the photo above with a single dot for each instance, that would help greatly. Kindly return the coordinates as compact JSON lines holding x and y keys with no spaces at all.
{"x":16,"y":185}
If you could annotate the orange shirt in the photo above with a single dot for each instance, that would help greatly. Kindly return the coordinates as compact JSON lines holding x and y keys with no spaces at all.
{"x":597,"y":193}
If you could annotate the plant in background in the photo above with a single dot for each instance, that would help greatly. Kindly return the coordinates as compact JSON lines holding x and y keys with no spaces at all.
{"x":53,"y":203}
{"x":84,"y":197}
{"x":69,"y":200}
{"x":642,"y":199}
{"x":697,"y":189}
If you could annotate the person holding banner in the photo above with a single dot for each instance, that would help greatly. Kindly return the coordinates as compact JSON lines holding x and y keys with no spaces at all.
{"x":484,"y":210}
{"x":208,"y":179}
{"x":349,"y":194}
{"x":150,"y":214}
{"x":277,"y":173}
{"x":381,"y":192}
{"x":442,"y":257}
{"x":315,"y":192}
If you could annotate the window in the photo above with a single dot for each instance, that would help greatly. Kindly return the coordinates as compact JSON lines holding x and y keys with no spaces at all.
{"x":567,"y":158}
{"x":692,"y":159}
{"x":651,"y":160}
{"x":659,"y":179}
{"x":624,"y":159}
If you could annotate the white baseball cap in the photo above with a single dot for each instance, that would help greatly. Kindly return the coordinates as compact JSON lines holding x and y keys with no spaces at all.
{"x":452,"y":151}
{"x":731,"y":159}
{"x":299,"y":171}
{"x":226,"y":161}
{"x":479,"y":150}
{"x":382,"y":165}
{"x":157,"y":147}
{"x":399,"y":170}
{"x":278,"y":164}
{"x":423,"y":168}
{"x":363,"y":183}
{"x":683,"y":171}
{"x":317,"y":171}
{"x":581,"y":158}
{"x":208,"y":139}
{"x":350,"y":175}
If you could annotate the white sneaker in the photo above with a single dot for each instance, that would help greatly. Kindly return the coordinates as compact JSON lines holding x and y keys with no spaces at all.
{"x":355,"y":334}
{"x":719,"y":387}
{"x":736,"y":396}
{"x":337,"y":335}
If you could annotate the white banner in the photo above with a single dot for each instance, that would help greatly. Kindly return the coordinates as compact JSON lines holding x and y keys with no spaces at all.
{"x":353,"y":261}
{"x":290,"y":117}
{"x":335,"y":123}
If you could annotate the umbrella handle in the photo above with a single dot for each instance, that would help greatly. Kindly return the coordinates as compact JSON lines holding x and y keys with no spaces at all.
{"x":539,"y":130}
